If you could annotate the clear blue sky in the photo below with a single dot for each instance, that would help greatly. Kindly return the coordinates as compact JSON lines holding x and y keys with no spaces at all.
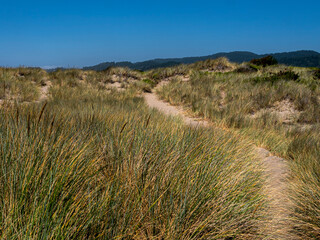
{"x":80,"y":33}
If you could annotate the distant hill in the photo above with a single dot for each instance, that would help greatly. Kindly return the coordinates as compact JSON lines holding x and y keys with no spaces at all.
{"x":298,"y":58}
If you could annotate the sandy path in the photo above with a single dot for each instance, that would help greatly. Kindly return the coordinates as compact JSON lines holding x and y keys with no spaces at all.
{"x":278,"y":224}
{"x":44,"y":91}
{"x":276,"y":170}
{"x":154,"y":102}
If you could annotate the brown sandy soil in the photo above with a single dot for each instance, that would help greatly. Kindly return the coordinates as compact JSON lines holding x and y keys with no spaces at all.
{"x":284,"y":110}
{"x":276,"y":170}
{"x":44,"y":91}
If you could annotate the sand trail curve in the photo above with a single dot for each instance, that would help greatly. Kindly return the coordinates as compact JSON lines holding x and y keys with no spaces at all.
{"x":277,"y":224}
{"x":154,"y":102}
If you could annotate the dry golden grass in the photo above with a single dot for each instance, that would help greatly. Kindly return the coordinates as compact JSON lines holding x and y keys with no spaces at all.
{"x":97,"y":164}
{"x":231,"y":99}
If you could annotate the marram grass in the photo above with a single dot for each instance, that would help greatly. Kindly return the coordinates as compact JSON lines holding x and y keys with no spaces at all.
{"x":91,"y":165}
{"x":231,"y":99}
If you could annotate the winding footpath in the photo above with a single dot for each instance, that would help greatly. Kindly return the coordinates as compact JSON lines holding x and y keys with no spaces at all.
{"x":277,"y":224}
{"x":154,"y":102}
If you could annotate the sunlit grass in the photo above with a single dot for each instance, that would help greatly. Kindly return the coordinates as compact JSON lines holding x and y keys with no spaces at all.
{"x":93,"y":164}
{"x":231,"y":99}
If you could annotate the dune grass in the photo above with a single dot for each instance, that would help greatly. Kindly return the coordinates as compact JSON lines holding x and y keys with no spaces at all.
{"x":95,"y":164}
{"x":19,"y":84}
{"x":234,"y":99}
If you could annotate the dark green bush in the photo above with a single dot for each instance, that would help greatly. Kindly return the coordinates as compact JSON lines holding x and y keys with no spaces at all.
{"x":265,"y":61}
{"x":316,"y":74}
{"x":282,"y":75}
{"x":288,"y":75}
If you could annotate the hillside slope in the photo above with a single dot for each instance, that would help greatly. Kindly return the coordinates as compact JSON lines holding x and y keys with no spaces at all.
{"x":297,"y":58}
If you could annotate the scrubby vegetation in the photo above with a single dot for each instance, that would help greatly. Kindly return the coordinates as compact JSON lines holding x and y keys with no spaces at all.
{"x":93,"y":163}
{"x":317,"y":74}
{"x":265,"y":61}
{"x":286,"y":75}
{"x":246,"y":68}
{"x":20,"y":84}
{"x":276,"y":107}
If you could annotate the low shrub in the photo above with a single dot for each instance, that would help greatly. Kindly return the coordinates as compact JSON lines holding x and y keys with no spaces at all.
{"x":247,"y":68}
{"x":316,"y":74}
{"x":282,"y":75}
{"x":288,"y":75}
{"x":265,"y":61}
